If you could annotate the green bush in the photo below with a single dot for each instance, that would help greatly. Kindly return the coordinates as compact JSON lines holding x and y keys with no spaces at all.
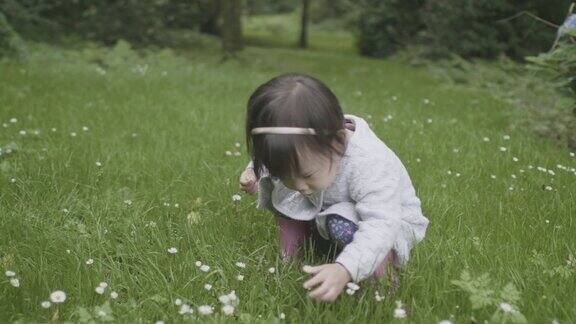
{"x":384,"y":26}
{"x":468,"y":28}
{"x":480,"y":28}
{"x":10,"y":42}
{"x":138,"y":21}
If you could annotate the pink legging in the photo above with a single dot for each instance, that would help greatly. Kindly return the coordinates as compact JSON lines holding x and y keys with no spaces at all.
{"x":293,"y":233}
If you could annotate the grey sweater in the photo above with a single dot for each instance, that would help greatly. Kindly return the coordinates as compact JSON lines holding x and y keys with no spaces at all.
{"x":372,"y":189}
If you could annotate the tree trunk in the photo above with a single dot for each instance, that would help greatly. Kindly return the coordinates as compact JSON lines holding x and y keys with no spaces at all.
{"x":209,"y":23}
{"x":304,"y":24}
{"x":231,"y":27}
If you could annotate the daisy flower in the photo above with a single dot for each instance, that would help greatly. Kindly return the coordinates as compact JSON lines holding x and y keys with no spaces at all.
{"x":45,"y":304}
{"x":507,"y":308}
{"x":228,"y":309}
{"x":58,"y":296}
{"x":10,"y":273}
{"x":113,"y":295}
{"x":236,"y":197}
{"x":172,"y":250}
{"x":205,"y":268}
{"x":205,"y":309}
{"x":272,"y":270}
{"x":207,"y":286}
{"x":241,"y":264}
{"x":15,"y":282}
{"x":89,"y":261}
{"x":240,"y":277}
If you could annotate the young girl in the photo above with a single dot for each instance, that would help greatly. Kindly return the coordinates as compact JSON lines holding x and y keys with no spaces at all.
{"x":319,"y":170}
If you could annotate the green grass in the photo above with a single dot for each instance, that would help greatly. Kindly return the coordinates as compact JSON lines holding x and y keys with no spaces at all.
{"x":161,"y":138}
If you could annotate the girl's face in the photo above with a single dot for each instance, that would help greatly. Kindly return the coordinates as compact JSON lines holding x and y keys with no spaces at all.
{"x":317,"y":173}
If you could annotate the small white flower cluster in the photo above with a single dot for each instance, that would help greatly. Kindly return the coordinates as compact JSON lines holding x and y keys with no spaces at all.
{"x":241,"y":264}
{"x":236,"y":153}
{"x":205,"y":309}
{"x":167,"y":204}
{"x":101,"y":288}
{"x":15,"y":282}
{"x":172,"y":250}
{"x":352,"y":288}
{"x":377,"y":296}
{"x":89,"y":261}
{"x":272,"y":270}
{"x":387,"y":118}
{"x":184,"y":308}
{"x":56,"y":297}
{"x":507,"y":308}
{"x":203,"y":267}
{"x":229,"y":302}
{"x":399,"y":312}
{"x":236,"y":197}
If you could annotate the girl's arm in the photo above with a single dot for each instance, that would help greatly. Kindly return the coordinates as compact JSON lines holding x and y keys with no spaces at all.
{"x":377,"y":193}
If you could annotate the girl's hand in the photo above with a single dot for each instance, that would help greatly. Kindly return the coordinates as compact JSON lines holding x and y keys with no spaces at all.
{"x":248,"y":181}
{"x":332,"y":278}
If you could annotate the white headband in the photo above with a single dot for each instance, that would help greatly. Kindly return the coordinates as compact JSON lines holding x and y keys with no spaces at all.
{"x":284,"y":130}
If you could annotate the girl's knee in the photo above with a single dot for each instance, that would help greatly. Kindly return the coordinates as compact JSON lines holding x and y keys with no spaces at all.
{"x":340,"y":229}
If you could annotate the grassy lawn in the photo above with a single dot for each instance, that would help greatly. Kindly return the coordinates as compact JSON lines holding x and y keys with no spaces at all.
{"x":118,"y":162}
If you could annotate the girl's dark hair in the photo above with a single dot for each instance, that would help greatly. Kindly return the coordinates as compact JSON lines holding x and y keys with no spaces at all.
{"x":293,"y":100}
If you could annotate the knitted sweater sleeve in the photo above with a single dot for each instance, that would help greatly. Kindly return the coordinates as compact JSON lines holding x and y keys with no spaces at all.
{"x":376,"y":189}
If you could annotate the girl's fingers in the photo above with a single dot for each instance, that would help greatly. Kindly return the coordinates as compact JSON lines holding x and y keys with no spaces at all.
{"x":313,"y":282}
{"x":311,"y":269}
{"x":320,"y":291}
{"x":330,"y":295}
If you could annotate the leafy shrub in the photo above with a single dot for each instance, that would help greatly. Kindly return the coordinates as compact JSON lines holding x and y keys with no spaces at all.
{"x":384,"y":26}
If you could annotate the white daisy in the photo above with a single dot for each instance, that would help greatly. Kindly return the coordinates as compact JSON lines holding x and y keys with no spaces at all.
{"x":272,"y":270}
{"x":89,"y":261}
{"x":207,"y":286}
{"x":172,"y":250}
{"x":228,"y":309}
{"x":426,"y":101}
{"x":128,"y":202}
{"x":84,"y":128}
{"x":572,"y":154}
{"x":205,"y":268}
{"x":352,"y":286}
{"x":228,"y":153}
{"x":237,"y":144}
{"x":240,"y":264}
{"x":506,"y":137}
{"x":236,"y":197}
{"x":350,"y":291}
{"x":100,"y":290}
{"x":282,"y":316}
{"x":185,"y":309}
{"x":98,"y":163}
{"x":515,"y":159}
{"x":240,"y":277}
{"x":45,"y":304}
{"x":198,"y":263}
{"x":205,"y":309}
{"x":178,"y":302}
{"x":113,"y":295}
{"x":224,"y":299}
{"x":507,"y":308}
{"x":399,"y":313}
{"x":486,"y":139}
{"x":103,"y":284}
{"x":22,"y":132}
{"x":10,"y":273}
{"x":73,"y":134}
{"x":58,"y":296}
{"x":13,"y":120}
{"x":503,"y":149}
{"x":15,"y":282}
